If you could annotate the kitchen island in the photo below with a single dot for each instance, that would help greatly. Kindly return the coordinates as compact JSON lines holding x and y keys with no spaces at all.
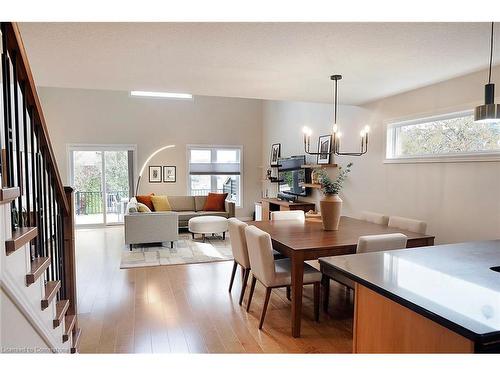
{"x":435,"y":299}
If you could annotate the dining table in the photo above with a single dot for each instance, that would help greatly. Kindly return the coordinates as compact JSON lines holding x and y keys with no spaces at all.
{"x":302,"y":241}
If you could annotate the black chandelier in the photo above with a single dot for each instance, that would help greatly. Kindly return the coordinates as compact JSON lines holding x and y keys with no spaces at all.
{"x":336,"y":135}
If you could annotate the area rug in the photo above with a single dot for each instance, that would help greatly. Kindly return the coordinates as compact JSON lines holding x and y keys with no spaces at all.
{"x":185,"y":251}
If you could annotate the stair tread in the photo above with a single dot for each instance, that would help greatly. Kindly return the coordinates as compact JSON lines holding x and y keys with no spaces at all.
{"x":38,"y":267}
{"x":69,"y":323}
{"x":61,"y":308}
{"x":20,"y":237}
{"x":51,"y":290}
{"x":8,"y":194}
{"x":75,"y":343}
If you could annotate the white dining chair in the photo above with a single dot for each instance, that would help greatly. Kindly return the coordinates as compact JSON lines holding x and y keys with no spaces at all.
{"x":366,"y":244}
{"x":298,"y":215}
{"x":411,"y":225}
{"x":374,"y":217}
{"x":274,"y":273}
{"x":288,"y":215}
{"x":381,"y":242}
{"x":239,"y":249}
{"x":240,"y":252}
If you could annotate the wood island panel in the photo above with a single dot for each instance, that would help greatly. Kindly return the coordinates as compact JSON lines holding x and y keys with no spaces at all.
{"x":384,"y":326}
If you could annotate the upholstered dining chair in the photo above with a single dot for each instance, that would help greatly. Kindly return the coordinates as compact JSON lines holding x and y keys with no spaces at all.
{"x":366,"y":244}
{"x":274,"y":273}
{"x":240,"y":253}
{"x":298,"y":215}
{"x":404,"y":223}
{"x":288,"y":215}
{"x":374,"y":217}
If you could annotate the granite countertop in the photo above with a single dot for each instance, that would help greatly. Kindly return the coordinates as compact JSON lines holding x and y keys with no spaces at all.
{"x":453,"y":285}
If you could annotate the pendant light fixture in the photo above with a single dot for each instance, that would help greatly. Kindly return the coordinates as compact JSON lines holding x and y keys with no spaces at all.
{"x":335,"y":144}
{"x":489,"y":111}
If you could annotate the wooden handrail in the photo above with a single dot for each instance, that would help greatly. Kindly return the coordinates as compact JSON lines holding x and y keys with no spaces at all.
{"x":15,"y":44}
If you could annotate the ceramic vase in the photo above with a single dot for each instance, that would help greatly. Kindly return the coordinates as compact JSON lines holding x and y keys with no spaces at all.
{"x":331,"y":208}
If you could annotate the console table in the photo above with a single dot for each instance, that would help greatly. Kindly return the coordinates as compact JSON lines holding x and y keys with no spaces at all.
{"x":273,"y":204}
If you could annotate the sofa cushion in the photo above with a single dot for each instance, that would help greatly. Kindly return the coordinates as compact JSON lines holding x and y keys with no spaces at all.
{"x":161,"y":203}
{"x":132,"y":205}
{"x":199,"y":202}
{"x":146,"y":199}
{"x":215,"y":202}
{"x":182,"y":203}
{"x":142,"y":208}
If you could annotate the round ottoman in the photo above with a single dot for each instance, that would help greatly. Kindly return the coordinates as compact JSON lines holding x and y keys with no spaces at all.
{"x":208,"y":225}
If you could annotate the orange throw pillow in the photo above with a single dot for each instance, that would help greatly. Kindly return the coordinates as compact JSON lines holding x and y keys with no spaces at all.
{"x":146,"y":199}
{"x":215,"y":202}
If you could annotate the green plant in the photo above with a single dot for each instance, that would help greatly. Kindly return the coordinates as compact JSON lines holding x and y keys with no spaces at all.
{"x":329,"y":186}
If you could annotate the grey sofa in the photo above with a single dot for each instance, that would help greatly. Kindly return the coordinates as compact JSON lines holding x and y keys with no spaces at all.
{"x":163,"y":226}
{"x":188,"y":207}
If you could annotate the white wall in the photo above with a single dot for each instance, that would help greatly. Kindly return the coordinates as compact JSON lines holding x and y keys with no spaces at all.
{"x":113,"y":117}
{"x":16,"y":333}
{"x":283,"y":122}
{"x":459,"y":201}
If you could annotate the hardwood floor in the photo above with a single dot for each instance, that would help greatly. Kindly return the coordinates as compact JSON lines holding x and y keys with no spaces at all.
{"x":187,"y":308}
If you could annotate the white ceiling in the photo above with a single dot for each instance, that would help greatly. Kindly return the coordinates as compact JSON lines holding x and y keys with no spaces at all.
{"x":284,"y":61}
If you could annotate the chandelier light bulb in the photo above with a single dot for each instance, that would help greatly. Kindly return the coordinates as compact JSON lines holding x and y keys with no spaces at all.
{"x":367,"y":129}
{"x":335,"y":128}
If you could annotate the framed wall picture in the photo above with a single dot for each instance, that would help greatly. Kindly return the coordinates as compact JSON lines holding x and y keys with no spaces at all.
{"x":169,"y":173}
{"x":324,"y":146}
{"x":154,"y":174}
{"x":275,"y":154}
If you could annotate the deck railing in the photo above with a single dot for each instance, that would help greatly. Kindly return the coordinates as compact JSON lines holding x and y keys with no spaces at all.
{"x":91,"y":202}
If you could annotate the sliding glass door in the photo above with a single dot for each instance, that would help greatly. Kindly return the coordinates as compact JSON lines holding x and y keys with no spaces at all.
{"x":102,"y":177}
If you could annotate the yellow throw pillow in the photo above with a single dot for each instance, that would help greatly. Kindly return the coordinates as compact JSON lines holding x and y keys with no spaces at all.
{"x":141,"y":207}
{"x":161,"y":203}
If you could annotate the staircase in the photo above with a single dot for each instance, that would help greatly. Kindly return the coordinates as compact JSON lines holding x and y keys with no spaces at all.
{"x":36,"y":214}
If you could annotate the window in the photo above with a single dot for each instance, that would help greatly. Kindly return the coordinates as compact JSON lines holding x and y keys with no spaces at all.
{"x":450,"y":136}
{"x":215,"y":169}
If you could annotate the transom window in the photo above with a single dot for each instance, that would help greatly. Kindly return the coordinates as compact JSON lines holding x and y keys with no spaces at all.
{"x":215,"y":169}
{"x":451,"y":135}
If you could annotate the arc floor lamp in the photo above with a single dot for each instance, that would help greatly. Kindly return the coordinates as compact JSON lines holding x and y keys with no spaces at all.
{"x":146,"y":163}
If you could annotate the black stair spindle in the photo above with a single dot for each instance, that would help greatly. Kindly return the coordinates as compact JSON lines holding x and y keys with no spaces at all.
{"x":27,"y":190}
{"x":57,"y":249}
{"x":45,"y":221}
{"x":62,"y":265}
{"x":26,"y":168}
{"x":17,"y":136}
{"x":52,"y":227}
{"x":39,"y":199}
{"x":6,"y":107}
{"x":33,"y":156}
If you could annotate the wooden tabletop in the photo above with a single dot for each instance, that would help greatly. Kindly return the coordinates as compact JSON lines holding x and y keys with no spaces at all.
{"x":311,"y":236}
{"x":308,"y":241}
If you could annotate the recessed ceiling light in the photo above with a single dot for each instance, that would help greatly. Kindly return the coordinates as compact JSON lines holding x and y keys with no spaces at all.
{"x":159,"y":94}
